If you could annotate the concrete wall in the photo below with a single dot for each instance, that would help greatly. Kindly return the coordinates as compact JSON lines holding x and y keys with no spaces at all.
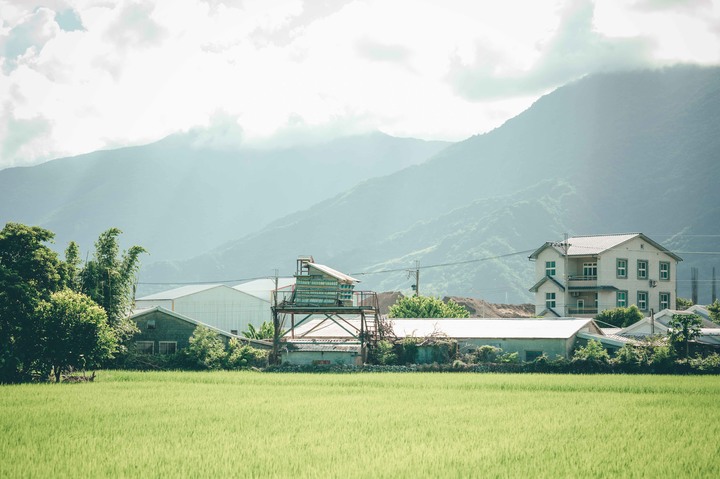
{"x":322,"y":357}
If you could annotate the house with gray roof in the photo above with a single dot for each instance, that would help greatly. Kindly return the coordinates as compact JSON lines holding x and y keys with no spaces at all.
{"x":587,"y":274}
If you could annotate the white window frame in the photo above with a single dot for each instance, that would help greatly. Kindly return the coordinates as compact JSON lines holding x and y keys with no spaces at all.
{"x":550,"y":300}
{"x":590,"y":268}
{"x":643,"y":270}
{"x":642,"y":304}
{"x":160,"y":347}
{"x":145,"y":343}
{"x":550,"y":268}
{"x":621,"y":303}
{"x":664,"y":272}
{"x":621,"y":269}
{"x":667,"y":302}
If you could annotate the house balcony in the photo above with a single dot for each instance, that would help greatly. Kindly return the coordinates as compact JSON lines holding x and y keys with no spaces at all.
{"x":583,"y":282}
{"x":583,"y":311}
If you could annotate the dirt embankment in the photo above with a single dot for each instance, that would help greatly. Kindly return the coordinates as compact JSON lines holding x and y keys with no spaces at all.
{"x":476,"y":307}
{"x":482,"y":309}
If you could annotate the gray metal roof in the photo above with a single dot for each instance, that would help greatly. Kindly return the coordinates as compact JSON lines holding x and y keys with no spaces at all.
{"x":472,"y":328}
{"x":263,"y":288}
{"x":596,"y":244}
{"x":334,"y":273}
{"x":180,"y":292}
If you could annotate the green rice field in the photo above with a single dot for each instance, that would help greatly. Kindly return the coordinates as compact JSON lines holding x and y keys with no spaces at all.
{"x":251,"y":424}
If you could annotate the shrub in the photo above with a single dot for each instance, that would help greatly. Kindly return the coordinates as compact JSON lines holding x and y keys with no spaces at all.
{"x":382,"y":353}
{"x":709,"y":363}
{"x":620,"y":317}
{"x":206,"y":349}
{"x":487,"y":354}
{"x":240,"y":356}
{"x":508,"y":358}
{"x":407,"y":350}
{"x":592,"y":352}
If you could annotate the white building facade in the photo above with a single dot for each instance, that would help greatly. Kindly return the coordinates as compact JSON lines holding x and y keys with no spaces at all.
{"x":589,"y":274}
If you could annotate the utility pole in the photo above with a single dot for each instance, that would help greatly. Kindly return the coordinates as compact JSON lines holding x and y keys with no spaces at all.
{"x":713,"y":296}
{"x":416,"y":286}
{"x":276,"y":325}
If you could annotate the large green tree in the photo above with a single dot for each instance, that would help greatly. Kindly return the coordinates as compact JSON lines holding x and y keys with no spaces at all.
{"x":426,"y":307}
{"x":29,"y":273}
{"x":683,"y":329}
{"x":108,"y":279}
{"x":74,"y":333}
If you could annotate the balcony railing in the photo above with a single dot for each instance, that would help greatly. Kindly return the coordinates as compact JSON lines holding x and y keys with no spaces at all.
{"x":582,"y":278}
{"x":572,"y":311}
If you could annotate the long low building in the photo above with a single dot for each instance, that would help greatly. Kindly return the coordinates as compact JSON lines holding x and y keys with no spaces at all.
{"x":530,"y":338}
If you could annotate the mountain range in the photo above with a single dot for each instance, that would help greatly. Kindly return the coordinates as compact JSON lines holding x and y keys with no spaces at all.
{"x":620,"y":152}
{"x":187,"y":193}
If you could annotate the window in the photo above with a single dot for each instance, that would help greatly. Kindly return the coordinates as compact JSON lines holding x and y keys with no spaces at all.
{"x":642,"y":298}
{"x":664,"y":271}
{"x":550,"y":300}
{"x":145,"y":347}
{"x":550,"y":268}
{"x":621,"y":299}
{"x":621,"y":268}
{"x":167,"y":347}
{"x":151,"y":324}
{"x":590,"y":270}
{"x":642,"y":268}
{"x":664,"y":300}
{"x":234,"y":331}
{"x":596,"y":301}
{"x":581,"y":305}
{"x":532,"y":355}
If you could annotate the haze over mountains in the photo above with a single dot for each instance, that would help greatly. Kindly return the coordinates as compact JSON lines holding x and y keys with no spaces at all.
{"x":622,"y":152}
{"x":188,"y":193}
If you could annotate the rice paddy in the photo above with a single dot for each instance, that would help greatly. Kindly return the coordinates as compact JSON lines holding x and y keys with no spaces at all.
{"x":250,"y":424}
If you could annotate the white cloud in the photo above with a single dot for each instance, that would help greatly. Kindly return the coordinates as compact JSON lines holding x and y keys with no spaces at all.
{"x":285,"y":70}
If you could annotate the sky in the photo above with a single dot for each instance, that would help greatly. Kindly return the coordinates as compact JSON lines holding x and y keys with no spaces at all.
{"x":82,"y":75}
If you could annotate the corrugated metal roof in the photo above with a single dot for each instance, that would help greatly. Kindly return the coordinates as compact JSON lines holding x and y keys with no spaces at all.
{"x":262,"y":288}
{"x":587,"y":245}
{"x":180,"y":292}
{"x":490,"y":328}
{"x":465,"y":328}
{"x":334,"y":273}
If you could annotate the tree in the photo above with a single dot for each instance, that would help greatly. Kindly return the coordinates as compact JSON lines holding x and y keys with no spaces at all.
{"x":620,"y":317}
{"x":29,"y":273}
{"x":714,"y":310}
{"x":72,"y":267}
{"x":592,"y":352}
{"x":683,"y":329}
{"x":681,"y":304}
{"x":206,"y":349}
{"x":108,"y":279}
{"x":74,"y":333}
{"x":266,"y":331}
{"x":426,"y":307}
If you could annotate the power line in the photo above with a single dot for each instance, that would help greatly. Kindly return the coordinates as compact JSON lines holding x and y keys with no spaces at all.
{"x":212,"y":282}
{"x":442,"y":265}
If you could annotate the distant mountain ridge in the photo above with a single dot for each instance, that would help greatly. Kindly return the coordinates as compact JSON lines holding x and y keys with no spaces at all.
{"x":184,"y":195}
{"x":621,"y":152}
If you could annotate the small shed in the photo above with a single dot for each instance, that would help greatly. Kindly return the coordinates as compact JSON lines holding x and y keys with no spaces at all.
{"x":320,"y":285}
{"x":162,"y":331}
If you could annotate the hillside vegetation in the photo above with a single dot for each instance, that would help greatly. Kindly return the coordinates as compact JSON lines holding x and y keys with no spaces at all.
{"x":611,"y":153}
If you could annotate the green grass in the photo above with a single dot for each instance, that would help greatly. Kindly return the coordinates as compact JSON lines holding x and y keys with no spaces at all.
{"x":248,"y":424}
